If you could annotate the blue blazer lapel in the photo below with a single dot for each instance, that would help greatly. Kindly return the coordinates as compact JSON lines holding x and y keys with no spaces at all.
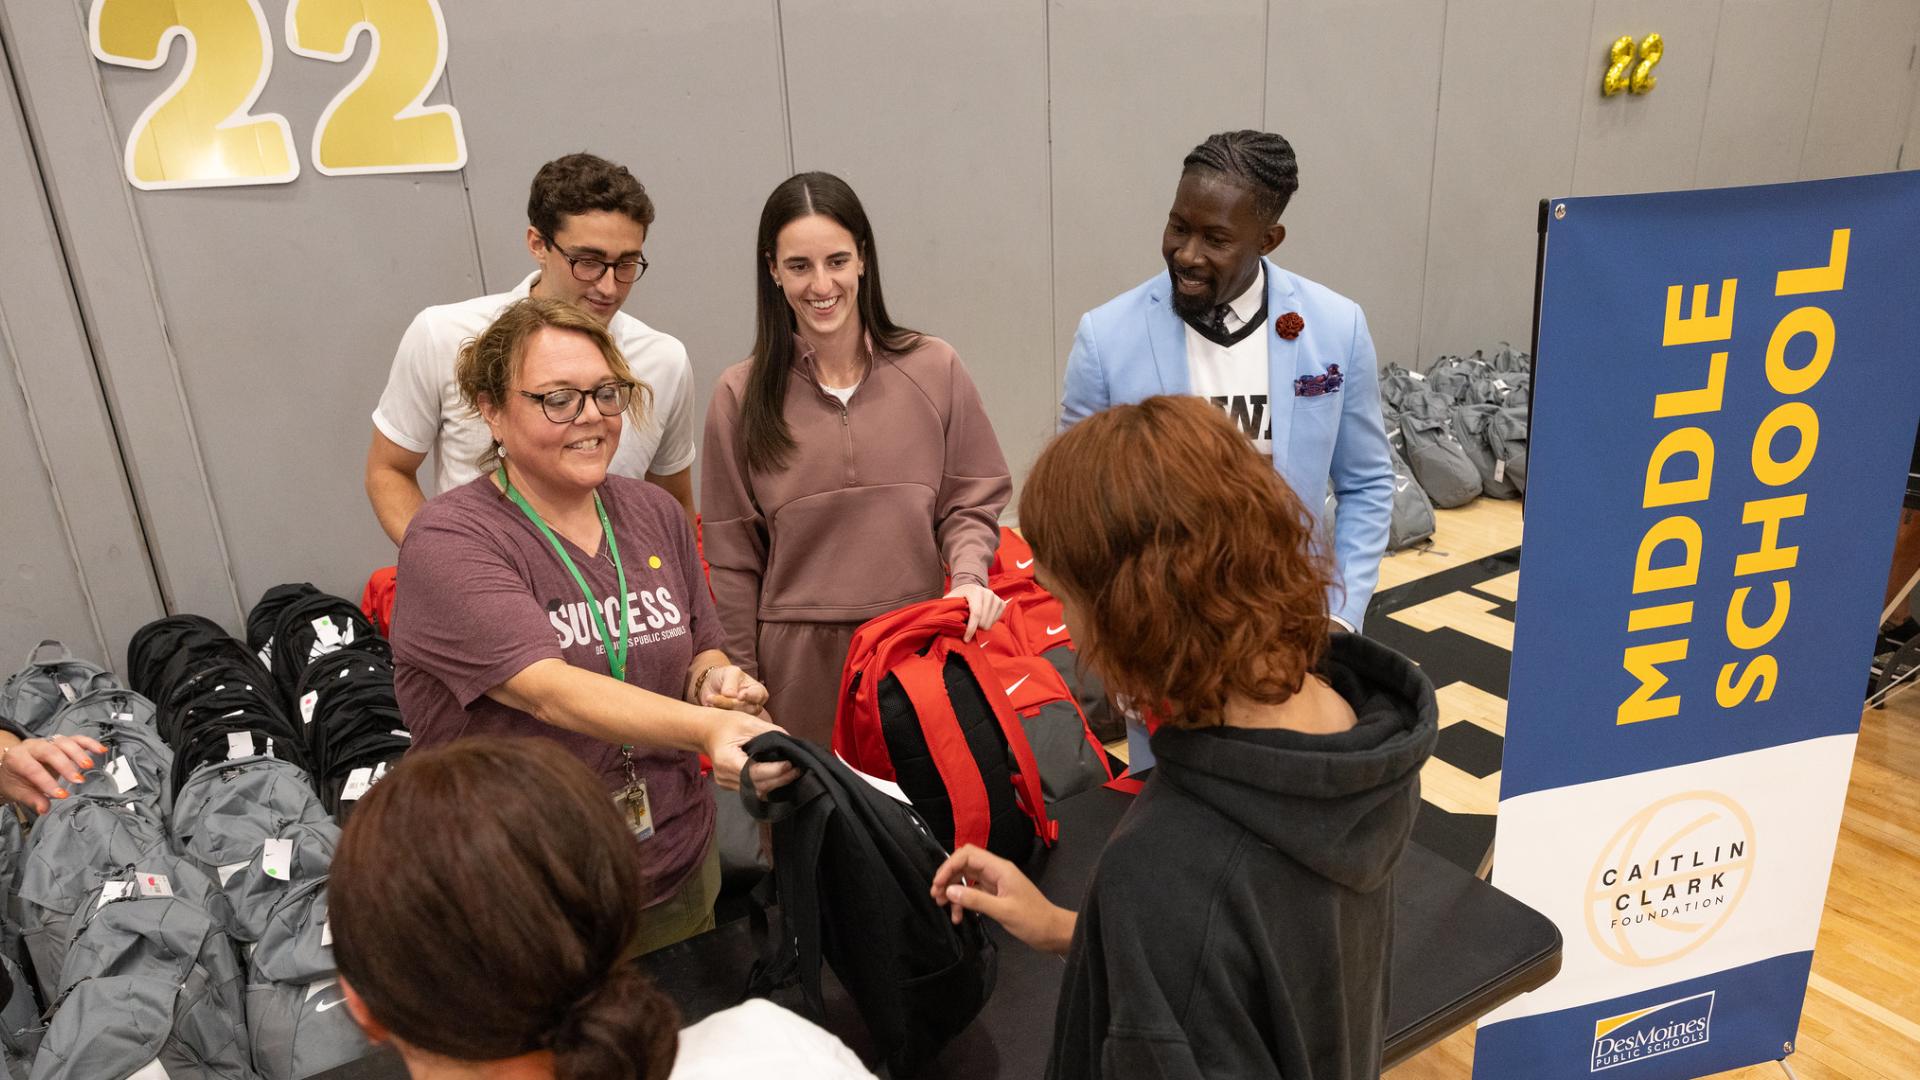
{"x":1282,"y":360}
{"x":1167,"y":336}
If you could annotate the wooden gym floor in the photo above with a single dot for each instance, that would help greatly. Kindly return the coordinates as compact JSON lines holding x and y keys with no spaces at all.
{"x":1862,"y":1015}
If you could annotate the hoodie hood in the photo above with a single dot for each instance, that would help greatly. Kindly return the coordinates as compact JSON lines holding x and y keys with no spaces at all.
{"x":1342,"y":805}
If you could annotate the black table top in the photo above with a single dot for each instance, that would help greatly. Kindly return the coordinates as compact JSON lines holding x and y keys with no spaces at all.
{"x":1461,"y":948}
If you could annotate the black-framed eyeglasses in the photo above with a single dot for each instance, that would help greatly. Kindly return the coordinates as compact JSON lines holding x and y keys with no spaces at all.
{"x":589,"y":268}
{"x":564,"y":406}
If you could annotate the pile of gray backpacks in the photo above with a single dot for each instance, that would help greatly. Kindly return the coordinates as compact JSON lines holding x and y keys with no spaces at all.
{"x":1457,"y":431}
{"x":157,"y":924}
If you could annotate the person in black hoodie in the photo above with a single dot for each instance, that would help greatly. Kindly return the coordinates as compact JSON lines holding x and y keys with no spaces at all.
{"x":1239,"y":922}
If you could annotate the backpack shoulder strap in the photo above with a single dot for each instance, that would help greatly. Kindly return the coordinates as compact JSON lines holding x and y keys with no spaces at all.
{"x":923,"y":679}
{"x":1027,"y":775}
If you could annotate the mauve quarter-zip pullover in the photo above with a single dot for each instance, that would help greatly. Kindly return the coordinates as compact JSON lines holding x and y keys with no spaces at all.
{"x":882,"y":496}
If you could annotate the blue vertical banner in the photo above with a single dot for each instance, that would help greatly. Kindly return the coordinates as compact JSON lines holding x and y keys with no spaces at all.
{"x":1725,"y":400}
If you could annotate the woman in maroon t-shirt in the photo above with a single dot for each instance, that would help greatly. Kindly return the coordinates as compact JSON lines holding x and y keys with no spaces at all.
{"x":550,"y":599}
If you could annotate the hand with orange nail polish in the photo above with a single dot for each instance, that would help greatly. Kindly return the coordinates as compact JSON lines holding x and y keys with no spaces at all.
{"x":30,"y":770}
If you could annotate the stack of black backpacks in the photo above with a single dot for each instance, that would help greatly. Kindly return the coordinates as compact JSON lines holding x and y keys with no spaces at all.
{"x":173,"y":908}
{"x":1457,"y":431}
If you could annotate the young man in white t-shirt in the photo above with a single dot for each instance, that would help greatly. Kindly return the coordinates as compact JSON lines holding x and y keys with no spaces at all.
{"x":587,"y":220}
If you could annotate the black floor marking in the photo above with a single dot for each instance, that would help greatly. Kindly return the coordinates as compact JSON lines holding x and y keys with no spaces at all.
{"x":1448,"y":656}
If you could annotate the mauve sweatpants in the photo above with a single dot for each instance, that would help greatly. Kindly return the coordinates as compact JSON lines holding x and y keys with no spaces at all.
{"x":800,"y":662}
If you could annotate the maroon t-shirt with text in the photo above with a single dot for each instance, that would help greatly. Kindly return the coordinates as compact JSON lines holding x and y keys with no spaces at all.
{"x":481,"y":595}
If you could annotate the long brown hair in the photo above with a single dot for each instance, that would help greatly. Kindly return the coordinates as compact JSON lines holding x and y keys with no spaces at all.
{"x":485,"y":899}
{"x":1194,"y":563}
{"x":763,"y":418}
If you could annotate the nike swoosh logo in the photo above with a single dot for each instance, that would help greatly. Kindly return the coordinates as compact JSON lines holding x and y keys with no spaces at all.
{"x":1023,"y":565}
{"x":1052,"y":630}
{"x":324,"y":1006}
{"x":1016,"y":686}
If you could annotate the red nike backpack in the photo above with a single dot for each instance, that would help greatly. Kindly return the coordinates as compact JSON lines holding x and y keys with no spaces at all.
{"x":920,"y":707}
{"x":1034,"y":625}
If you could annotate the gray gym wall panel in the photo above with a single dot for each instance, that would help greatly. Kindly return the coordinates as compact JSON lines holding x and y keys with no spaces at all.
{"x":282,"y":305}
{"x":98,"y":216}
{"x":1514,"y":76}
{"x":1865,"y":90}
{"x":1133,"y":86}
{"x":936,"y":114}
{"x":1359,"y":224}
{"x":76,"y":564}
{"x":688,"y":96}
{"x":1647,"y":142}
{"x":1765,"y":61}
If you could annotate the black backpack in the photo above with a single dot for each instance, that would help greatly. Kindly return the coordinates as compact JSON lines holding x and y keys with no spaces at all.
{"x":312,"y":627}
{"x":854,"y":871}
{"x":167,"y":650}
{"x":266,"y":614}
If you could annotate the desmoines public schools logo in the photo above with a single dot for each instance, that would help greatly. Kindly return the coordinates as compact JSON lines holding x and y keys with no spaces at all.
{"x":1650,"y":1032}
{"x":1670,"y":878}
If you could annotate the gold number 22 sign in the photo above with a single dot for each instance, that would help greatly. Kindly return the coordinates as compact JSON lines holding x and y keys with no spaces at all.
{"x":201,"y":132}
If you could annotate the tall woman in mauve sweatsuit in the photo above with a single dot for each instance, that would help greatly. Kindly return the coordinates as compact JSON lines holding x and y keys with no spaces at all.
{"x":849,"y":466}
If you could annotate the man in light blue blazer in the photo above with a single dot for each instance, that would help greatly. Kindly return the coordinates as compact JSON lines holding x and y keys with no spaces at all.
{"x":1288,"y":359}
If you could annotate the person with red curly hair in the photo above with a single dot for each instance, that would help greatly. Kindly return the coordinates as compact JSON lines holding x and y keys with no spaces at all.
{"x":1239,"y":921}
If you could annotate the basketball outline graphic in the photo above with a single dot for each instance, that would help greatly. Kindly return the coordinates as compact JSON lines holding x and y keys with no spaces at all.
{"x":1689,"y":823}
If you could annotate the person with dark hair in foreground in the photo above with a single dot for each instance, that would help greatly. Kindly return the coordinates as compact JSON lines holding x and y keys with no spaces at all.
{"x":486,"y":901}
{"x":849,"y":462}
{"x":1239,"y":921}
{"x":1290,"y":360}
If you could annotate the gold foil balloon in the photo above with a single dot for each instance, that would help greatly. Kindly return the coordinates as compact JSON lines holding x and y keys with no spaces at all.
{"x":1650,"y":51}
{"x":1620,"y":67}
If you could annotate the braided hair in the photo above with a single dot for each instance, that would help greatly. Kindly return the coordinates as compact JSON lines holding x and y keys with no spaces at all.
{"x":1260,"y":160}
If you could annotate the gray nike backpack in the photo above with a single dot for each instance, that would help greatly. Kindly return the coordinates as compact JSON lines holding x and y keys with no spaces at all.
{"x":152,"y":976}
{"x":137,"y":763}
{"x":52,"y":678}
{"x":301,"y":852}
{"x":294,"y":1018}
{"x":1507,"y":438}
{"x":1470,"y":428}
{"x":75,"y":846}
{"x":21,"y":1025}
{"x":1438,"y":461}
{"x":1412,"y":521}
{"x":225,"y":817}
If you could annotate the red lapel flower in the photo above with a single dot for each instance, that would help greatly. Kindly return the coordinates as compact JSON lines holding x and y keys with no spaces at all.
{"x":1289,"y":325}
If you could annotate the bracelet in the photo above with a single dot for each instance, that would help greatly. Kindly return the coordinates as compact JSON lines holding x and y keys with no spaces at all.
{"x":699,"y":682}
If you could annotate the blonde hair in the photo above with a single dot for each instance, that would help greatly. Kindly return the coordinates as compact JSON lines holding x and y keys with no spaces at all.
{"x":489,"y":363}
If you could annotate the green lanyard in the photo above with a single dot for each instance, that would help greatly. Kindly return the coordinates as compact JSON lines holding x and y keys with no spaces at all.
{"x":616,"y":650}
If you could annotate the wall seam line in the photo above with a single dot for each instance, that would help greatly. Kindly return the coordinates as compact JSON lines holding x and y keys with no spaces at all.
{"x":1433,"y":169}
{"x":786,"y":98}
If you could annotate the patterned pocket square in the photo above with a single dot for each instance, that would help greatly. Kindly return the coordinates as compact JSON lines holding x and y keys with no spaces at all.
{"x":1315,"y":385}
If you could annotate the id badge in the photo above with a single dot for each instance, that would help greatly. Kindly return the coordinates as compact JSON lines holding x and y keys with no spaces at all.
{"x":636,"y":808}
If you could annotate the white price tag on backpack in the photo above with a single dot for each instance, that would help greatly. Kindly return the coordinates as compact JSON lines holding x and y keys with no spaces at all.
{"x":113,"y":890}
{"x":123,"y":718}
{"x":239,"y":744}
{"x":68,"y":691}
{"x":1417,"y":375}
{"x":326,"y":635}
{"x":1499,"y":469}
{"x":276,"y":859}
{"x":326,"y":931}
{"x":155,"y":885}
{"x":120,"y":771}
{"x":226,"y":872}
{"x":307,"y":701}
{"x":153,"y":1071}
{"x":359,"y":782}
